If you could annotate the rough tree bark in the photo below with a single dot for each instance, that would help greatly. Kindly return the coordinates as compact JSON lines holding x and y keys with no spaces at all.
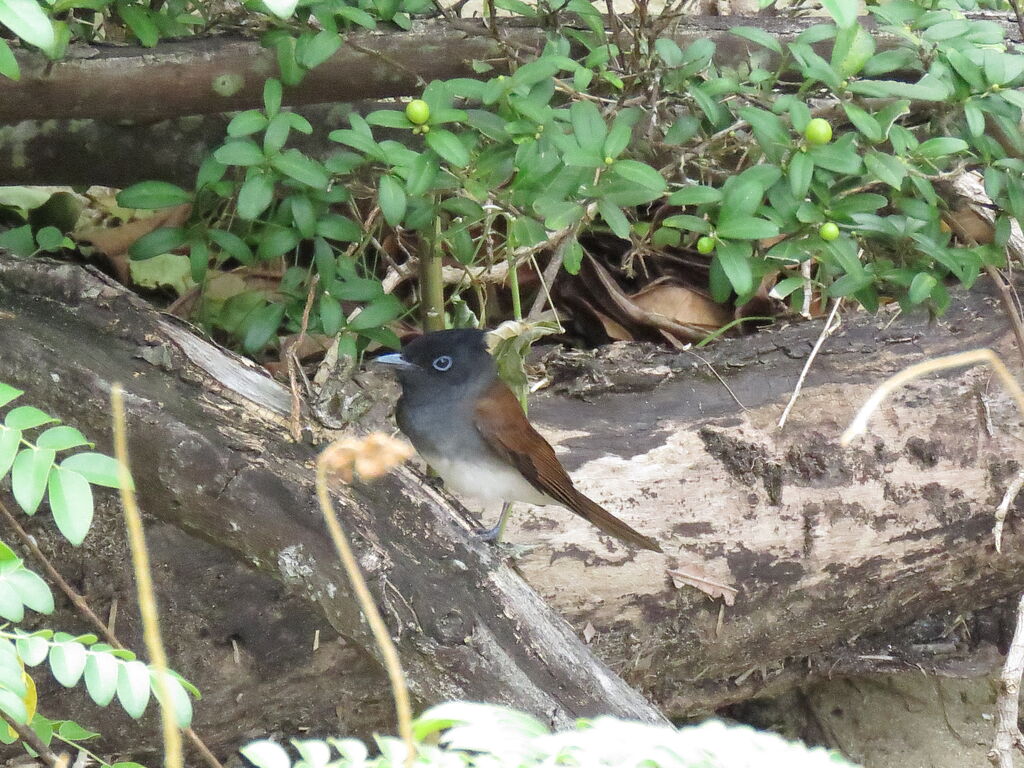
{"x":824,"y":544}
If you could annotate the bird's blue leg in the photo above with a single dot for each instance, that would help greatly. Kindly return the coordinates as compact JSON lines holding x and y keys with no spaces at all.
{"x":494,"y":534}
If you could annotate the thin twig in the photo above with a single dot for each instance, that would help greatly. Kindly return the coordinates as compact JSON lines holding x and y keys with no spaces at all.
{"x":392,"y":664}
{"x":719,"y":377}
{"x":1004,"y":507}
{"x":26,"y":734}
{"x":827,"y":331}
{"x":1009,"y":306}
{"x":1008,"y":735}
{"x":859,"y":424}
{"x":1020,"y":18}
{"x":292,"y":361}
{"x":144,"y":584}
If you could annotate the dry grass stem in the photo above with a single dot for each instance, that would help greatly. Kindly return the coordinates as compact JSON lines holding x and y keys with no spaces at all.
{"x":859,"y":424}
{"x":144,"y":584}
{"x":367,"y":458}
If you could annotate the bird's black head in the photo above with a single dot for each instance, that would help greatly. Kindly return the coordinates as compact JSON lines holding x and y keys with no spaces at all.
{"x":444,"y":360}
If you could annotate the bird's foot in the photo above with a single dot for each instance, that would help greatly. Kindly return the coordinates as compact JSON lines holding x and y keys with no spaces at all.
{"x":490,"y":534}
{"x":505,"y":548}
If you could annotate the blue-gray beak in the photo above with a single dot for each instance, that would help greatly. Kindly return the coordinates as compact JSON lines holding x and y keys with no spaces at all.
{"x":395,"y":358}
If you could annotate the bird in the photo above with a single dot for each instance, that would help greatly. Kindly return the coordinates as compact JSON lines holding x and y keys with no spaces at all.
{"x":470,"y":428}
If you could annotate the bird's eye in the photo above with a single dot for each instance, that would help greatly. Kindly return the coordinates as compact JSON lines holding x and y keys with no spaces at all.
{"x":442,"y":363}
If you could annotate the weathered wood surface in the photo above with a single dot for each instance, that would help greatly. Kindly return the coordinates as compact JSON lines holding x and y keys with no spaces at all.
{"x":824,"y":544}
{"x":220,"y":466}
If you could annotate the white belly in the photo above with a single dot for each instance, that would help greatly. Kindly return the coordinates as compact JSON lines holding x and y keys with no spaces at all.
{"x":487,"y":481}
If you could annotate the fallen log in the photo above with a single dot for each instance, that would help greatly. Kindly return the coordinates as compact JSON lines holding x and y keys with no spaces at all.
{"x":821,"y":544}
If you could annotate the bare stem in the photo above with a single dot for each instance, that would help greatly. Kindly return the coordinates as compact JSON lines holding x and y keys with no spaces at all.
{"x":144,"y":583}
{"x":432,"y":282}
{"x":26,"y":734}
{"x":1008,"y":736}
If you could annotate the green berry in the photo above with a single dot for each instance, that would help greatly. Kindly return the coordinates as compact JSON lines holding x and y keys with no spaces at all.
{"x":828,"y":231}
{"x":818,"y":131}
{"x":608,"y":159}
{"x":418,"y":112}
{"x":705,"y":245}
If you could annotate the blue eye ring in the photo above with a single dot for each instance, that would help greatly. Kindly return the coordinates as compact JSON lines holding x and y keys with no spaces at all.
{"x":442,"y":363}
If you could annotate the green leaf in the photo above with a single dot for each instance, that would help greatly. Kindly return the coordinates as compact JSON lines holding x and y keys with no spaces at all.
{"x":683,"y":129}
{"x":356,"y":16}
{"x":19,"y":240}
{"x":391,"y":198}
{"x":843,"y":11}
{"x":179,"y":703}
{"x":133,"y":687}
{"x":759,"y":37}
{"x":695,"y":195}
{"x":641,"y":174}
{"x":33,"y":649}
{"x":10,"y":441}
{"x":8,"y":393}
{"x":11,"y":704}
{"x":572,"y":260}
{"x":303,"y":169}
{"x":863,"y":122}
{"x":921,"y":287}
{"x":27,"y":417}
{"x":449,"y":147}
{"x":260,"y":325}
{"x":853,"y":48}
{"x":31,"y":589}
{"x":72,"y":731}
{"x":157,"y":242}
{"x":67,"y":661}
{"x":941,"y":146}
{"x":276,"y":241}
{"x":242,"y":152}
{"x":231,"y":244}
{"x":101,"y":677}
{"x":975,"y":118}
{"x":588,"y":126}
{"x":70,"y":497}
{"x":389,"y":118}
{"x":614,"y":218}
{"x":334,"y":226}
{"x":26,"y":20}
{"x":319,"y":49}
{"x":153,"y":194}
{"x":61,"y":438}
{"x":746,"y":228}
{"x":139,"y":19}
{"x":97,"y":468}
{"x":801,"y":169}
{"x":246,"y":123}
{"x":8,"y":64}
{"x":331,"y":314}
{"x":11,"y":607}
{"x":276,"y":135}
{"x":303,"y":215}
{"x":267,"y":754}
{"x":256,"y":194}
{"x":768,"y":130}
{"x":272,"y":93}
{"x":378,"y":312}
{"x":735,"y":261}
{"x":49,"y":239}
{"x":886,"y":168}
{"x":28,"y":477}
{"x":689,"y":223}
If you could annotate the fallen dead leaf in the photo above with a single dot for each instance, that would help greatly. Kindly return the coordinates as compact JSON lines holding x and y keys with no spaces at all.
{"x":113,"y":242}
{"x":671,"y":299}
{"x":693,"y":576}
{"x":589,"y":632}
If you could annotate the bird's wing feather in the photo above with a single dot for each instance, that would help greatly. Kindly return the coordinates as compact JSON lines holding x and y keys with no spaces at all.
{"x":501,"y":423}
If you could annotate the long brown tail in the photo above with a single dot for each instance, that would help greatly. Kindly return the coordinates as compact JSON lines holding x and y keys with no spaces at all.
{"x":601,"y":518}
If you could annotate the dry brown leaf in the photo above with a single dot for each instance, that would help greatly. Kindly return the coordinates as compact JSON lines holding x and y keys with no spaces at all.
{"x":114,"y":242}
{"x":677,"y":302}
{"x":694,"y":576}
